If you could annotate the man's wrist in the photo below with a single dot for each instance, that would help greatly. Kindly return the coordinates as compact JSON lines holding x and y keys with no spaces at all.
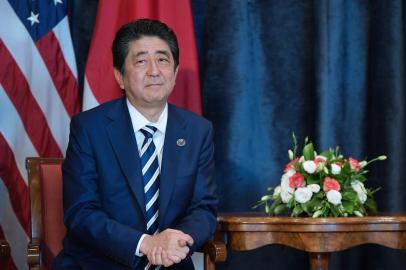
{"x":145,"y":244}
{"x":138,"y":251}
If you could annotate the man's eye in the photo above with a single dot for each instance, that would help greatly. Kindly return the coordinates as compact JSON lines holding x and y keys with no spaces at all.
{"x":163,"y":60}
{"x":140,"y":62}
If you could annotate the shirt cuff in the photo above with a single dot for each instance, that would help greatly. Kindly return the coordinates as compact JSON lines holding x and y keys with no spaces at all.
{"x":137,"y":251}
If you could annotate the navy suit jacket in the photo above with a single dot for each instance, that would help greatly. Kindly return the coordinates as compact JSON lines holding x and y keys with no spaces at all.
{"x":103,"y":186}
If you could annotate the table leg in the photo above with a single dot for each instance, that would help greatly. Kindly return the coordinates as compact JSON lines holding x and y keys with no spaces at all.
{"x":319,"y":261}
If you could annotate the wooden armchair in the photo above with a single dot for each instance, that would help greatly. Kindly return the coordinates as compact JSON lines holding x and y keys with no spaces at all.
{"x":4,"y":253}
{"x":48,"y":230}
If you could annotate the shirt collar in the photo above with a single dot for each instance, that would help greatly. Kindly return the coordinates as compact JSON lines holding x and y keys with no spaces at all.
{"x":139,"y":121}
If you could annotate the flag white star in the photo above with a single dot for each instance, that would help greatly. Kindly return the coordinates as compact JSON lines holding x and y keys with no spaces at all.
{"x":57,"y":2}
{"x":33,"y":18}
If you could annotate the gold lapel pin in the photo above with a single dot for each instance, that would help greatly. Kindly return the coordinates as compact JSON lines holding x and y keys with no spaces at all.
{"x":181,"y":142}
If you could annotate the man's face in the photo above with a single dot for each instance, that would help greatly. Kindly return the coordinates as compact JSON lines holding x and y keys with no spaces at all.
{"x":150,"y":74}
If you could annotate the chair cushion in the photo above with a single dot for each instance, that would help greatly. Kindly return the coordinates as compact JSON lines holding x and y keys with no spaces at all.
{"x":53,"y":228}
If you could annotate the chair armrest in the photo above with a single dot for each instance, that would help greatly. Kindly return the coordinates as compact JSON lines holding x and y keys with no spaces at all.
{"x":216,"y":250}
{"x":4,"y":249}
{"x":33,"y":253}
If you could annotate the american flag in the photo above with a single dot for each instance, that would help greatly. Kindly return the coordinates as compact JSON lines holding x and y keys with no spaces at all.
{"x":38,"y":96}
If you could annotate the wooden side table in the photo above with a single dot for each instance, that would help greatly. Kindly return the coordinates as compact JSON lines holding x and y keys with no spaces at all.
{"x":318,"y":236}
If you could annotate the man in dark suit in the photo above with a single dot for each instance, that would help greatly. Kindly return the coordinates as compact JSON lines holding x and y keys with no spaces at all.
{"x":138,"y":178}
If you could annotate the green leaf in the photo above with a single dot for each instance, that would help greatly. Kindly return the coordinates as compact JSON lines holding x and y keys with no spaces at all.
{"x":258,"y":204}
{"x":319,"y":195}
{"x":280,"y":209}
{"x":358,"y":213}
{"x":349,"y":196}
{"x":272,"y":208}
{"x":334,"y":211}
{"x":297,"y":210}
{"x":348,"y":206}
{"x":306,"y":207}
{"x":317,"y":213}
{"x":312,"y":179}
{"x":294,"y":143}
{"x":267,"y":209}
{"x":266,"y":198}
{"x":371,"y":192}
{"x":308,"y":151}
{"x":371,"y":205}
{"x":327,"y":154}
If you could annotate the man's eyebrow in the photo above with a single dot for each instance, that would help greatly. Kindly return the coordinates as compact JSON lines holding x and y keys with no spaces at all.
{"x":139,"y":53}
{"x":163,"y":52}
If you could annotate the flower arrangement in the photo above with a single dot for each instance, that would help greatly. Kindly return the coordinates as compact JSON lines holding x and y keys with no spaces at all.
{"x":321,"y":185}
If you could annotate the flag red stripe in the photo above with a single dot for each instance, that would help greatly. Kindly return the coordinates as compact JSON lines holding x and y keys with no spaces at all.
{"x":100,"y":63}
{"x":7,"y":263}
{"x":62,"y":76}
{"x":17,"y":89}
{"x":17,"y":189}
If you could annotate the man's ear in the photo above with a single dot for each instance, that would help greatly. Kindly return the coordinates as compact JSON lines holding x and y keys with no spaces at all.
{"x":176,"y":71}
{"x":119,"y":78}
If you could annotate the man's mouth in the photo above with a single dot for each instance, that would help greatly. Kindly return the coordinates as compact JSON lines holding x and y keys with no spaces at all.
{"x":153,"y":84}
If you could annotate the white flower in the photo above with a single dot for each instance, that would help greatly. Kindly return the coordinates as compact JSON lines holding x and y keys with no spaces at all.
{"x":314,"y":188}
{"x":286,"y":196}
{"x":335,"y":169}
{"x":303,"y":194}
{"x":289,"y":173}
{"x":362,"y":197}
{"x":277,"y":191}
{"x":334,"y":197}
{"x":285,"y":184}
{"x":309,"y":166}
{"x":358,"y":186}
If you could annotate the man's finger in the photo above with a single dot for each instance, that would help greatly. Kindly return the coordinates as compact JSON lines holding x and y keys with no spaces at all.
{"x":182,"y":242}
{"x":165,"y":259}
{"x":189,"y":241}
{"x":158,"y":254}
{"x":175,"y":258}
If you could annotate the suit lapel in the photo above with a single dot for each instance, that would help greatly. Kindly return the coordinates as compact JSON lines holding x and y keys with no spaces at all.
{"x":175,"y":129}
{"x":122,"y":138}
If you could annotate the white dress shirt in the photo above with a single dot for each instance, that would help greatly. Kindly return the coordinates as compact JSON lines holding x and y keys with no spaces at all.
{"x":139,"y":121}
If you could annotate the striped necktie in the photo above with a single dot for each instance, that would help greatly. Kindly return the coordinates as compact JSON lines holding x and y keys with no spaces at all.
{"x":150,"y":173}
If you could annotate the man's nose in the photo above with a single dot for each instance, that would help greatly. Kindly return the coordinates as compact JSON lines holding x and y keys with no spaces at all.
{"x":153,"y":69}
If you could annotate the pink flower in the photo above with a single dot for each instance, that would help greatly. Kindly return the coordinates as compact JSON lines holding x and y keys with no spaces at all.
{"x":319,"y":159}
{"x":340,"y":163}
{"x":330,"y":184}
{"x":354,"y":164}
{"x":291,"y":165}
{"x":296,"y":180}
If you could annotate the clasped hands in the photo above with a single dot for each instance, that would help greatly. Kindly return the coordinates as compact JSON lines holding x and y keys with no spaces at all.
{"x":167,"y":247}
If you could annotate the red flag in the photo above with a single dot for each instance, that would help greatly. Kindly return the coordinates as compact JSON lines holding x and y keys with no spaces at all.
{"x":38,"y":96}
{"x":100,"y":85}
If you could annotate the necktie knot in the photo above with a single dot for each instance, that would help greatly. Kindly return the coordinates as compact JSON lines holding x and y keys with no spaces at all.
{"x":148,"y":131}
